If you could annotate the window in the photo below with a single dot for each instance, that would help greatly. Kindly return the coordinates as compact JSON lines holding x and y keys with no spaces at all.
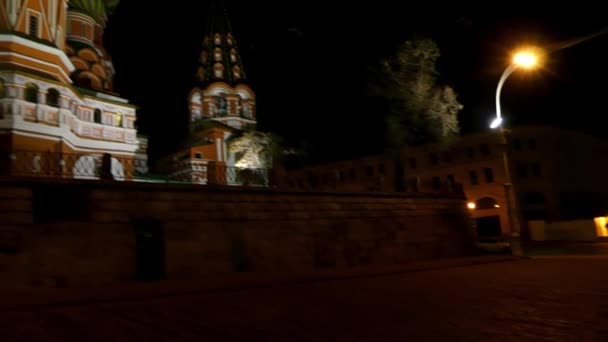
{"x":522,"y":171}
{"x":412,"y":162}
{"x":218,"y":39}
{"x":119,"y":119}
{"x":33,"y":29}
{"x":434,"y":160}
{"x":233,"y":56}
{"x":198,"y":155}
{"x":488,"y":175}
{"x":536,"y":170}
{"x":470,"y":152}
{"x":97,"y":116}
{"x":484,"y":149}
{"x":436,"y":183}
{"x":236,"y":72}
{"x":532,"y":144}
{"x":217,"y":55}
{"x":218,"y":70}
{"x":2,"y":89}
{"x":31,"y":93}
{"x":516,"y":145}
{"x":473,"y":177}
{"x":52,"y":98}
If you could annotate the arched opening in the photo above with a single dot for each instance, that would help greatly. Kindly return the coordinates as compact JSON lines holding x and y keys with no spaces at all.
{"x":2,"y":89}
{"x":97,"y":116}
{"x":218,"y":70}
{"x":233,"y":55}
{"x":236,"y":71}
{"x":31,"y":93}
{"x":217,"y":54}
{"x":486,"y":203}
{"x":52,"y":98}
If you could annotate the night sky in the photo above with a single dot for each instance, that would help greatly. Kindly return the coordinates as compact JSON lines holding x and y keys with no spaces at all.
{"x":310,"y":65}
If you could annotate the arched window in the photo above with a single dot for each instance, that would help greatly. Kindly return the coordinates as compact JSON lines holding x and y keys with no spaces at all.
{"x":204,"y":57}
{"x":97,"y":116}
{"x":217,"y":54}
{"x":233,"y":56}
{"x":201,"y":74}
{"x":31,"y":93}
{"x":2,"y":89}
{"x":236,"y":72}
{"x":52,"y":98}
{"x":486,"y":203}
{"x":218,"y":70}
{"x":218,"y":39}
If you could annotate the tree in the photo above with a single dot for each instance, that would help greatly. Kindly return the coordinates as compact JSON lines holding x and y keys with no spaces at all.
{"x":257,"y":150}
{"x":420,"y":110}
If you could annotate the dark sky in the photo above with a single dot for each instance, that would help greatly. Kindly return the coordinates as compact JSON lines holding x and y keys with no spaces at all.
{"x":309,"y":65}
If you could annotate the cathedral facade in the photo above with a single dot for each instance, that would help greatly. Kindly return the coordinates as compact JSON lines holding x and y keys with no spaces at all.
{"x":56,"y":89}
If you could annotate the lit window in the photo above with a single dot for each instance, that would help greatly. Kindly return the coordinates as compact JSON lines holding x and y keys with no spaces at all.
{"x":218,"y":70}
{"x":218,"y":39}
{"x":233,"y":55}
{"x":217,"y":55}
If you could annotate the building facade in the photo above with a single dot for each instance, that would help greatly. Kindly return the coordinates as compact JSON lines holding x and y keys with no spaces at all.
{"x":57,"y":104}
{"x":557,"y":174}
{"x":221,"y":105}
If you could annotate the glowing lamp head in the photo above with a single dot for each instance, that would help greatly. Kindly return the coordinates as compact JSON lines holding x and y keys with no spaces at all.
{"x":525,"y":59}
{"x":471,"y":205}
{"x":496,"y":123}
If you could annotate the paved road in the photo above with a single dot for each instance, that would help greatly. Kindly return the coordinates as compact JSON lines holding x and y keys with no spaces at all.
{"x":555,"y":299}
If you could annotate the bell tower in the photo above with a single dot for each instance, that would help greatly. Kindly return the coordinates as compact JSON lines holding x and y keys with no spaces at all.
{"x":221,"y":92}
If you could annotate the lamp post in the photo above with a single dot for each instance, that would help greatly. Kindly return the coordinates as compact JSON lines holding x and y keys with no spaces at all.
{"x":521,"y":60}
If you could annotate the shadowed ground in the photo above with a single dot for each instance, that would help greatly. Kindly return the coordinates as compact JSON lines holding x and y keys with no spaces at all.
{"x":554,"y":299}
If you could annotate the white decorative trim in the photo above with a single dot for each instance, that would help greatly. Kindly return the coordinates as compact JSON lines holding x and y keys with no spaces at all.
{"x":11,"y":38}
{"x":31,"y":130}
{"x":14,"y":54}
{"x":112,"y":98}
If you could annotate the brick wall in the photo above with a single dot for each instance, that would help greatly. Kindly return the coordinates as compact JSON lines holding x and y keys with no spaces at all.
{"x":85,"y":233}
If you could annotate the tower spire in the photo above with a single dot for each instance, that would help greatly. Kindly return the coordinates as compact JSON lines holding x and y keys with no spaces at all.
{"x":217,"y":18}
{"x":219,"y":59}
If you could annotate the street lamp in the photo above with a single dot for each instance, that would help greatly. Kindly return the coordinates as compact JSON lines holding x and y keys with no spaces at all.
{"x":527,"y":60}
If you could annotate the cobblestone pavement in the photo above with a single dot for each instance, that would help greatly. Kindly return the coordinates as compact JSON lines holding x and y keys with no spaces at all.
{"x":557,"y":299}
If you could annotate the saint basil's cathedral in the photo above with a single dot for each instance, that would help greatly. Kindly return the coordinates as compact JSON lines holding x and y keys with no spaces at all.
{"x":57,"y":98}
{"x":56,"y":90}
